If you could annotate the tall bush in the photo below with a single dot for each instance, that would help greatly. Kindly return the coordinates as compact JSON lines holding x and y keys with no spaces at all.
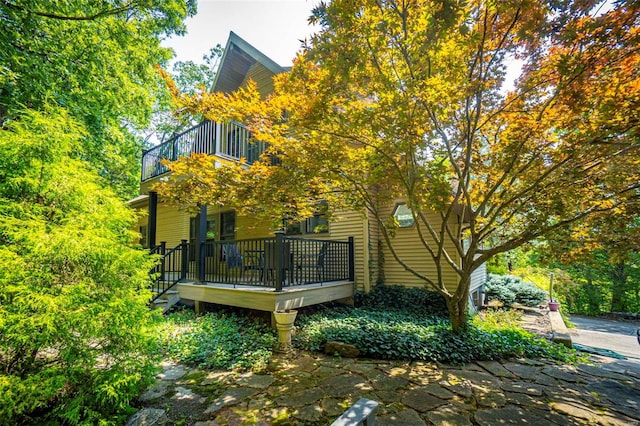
{"x":75,"y":332}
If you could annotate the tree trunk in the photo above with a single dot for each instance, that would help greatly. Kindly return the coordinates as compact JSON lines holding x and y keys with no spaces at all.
{"x":458,"y":313}
{"x":618,"y":287}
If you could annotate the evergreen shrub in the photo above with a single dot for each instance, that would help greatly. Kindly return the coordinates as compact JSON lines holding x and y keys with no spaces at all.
{"x":510,"y":289}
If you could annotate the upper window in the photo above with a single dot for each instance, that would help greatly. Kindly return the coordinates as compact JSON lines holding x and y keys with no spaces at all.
{"x":317,"y":224}
{"x":403,"y":216}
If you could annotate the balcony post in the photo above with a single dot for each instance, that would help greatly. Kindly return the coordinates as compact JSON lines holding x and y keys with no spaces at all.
{"x":185,"y":259}
{"x":152,"y":218}
{"x":352,"y":263}
{"x":201,"y":223}
{"x":279,"y":260}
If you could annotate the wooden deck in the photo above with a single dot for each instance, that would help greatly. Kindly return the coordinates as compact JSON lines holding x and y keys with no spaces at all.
{"x":264,"y":298}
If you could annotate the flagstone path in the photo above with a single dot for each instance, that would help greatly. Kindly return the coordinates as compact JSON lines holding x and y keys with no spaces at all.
{"x":314,"y":389}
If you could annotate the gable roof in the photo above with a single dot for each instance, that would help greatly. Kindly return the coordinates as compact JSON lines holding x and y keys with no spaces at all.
{"x":242,"y":61}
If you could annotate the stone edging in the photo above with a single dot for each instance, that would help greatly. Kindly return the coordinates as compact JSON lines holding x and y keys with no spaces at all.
{"x":560,"y":332}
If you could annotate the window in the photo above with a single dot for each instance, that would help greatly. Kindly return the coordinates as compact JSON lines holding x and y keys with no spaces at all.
{"x":144,"y":237}
{"x":403,"y":216}
{"x":317,"y":224}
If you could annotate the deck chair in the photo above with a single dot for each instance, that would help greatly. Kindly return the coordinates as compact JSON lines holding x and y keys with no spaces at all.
{"x":232,"y":258}
{"x":312,"y":262}
{"x":268,"y":267}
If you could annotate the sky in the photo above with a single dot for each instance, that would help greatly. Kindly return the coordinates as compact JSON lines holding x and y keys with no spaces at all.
{"x":274,"y":27}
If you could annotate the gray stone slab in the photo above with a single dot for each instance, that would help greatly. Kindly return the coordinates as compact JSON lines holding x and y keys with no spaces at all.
{"x":574,"y":410}
{"x":597,"y":371}
{"x":556,"y":418}
{"x":333,"y":407}
{"x":187,"y":395}
{"x":223,"y":377}
{"x":345,"y":384}
{"x":232,"y":396}
{"x":155,"y":391}
{"x":310,"y":413}
{"x":401,"y":418}
{"x":621,"y":395}
{"x":448,"y":418}
{"x":563,"y":372}
{"x":509,"y":415}
{"x":363,"y":368}
{"x":495,"y":368}
{"x":257,"y":381}
{"x":148,"y":417}
{"x":387,"y":383}
{"x":421,"y":400}
{"x":523,"y":371}
{"x":464,"y":389}
{"x":523,"y":387}
{"x":493,"y":399}
{"x":301,"y":398}
{"x":172,"y":372}
{"x":439,"y":391}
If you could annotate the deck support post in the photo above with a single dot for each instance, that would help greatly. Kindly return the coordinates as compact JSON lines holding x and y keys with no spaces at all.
{"x":185,"y":259}
{"x":152,"y":218}
{"x":279,"y":260}
{"x":201,"y":223}
{"x":352,"y":271}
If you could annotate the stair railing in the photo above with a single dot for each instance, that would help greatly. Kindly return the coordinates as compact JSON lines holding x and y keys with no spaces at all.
{"x":171,"y":267}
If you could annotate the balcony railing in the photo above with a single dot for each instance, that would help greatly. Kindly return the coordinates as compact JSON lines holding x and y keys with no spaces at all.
{"x":225,"y":139}
{"x":276,"y":262}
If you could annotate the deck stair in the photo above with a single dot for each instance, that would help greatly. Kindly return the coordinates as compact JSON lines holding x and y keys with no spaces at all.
{"x":165,"y":300}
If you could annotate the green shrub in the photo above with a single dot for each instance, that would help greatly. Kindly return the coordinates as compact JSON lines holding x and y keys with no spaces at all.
{"x":218,"y":340}
{"x":405,"y":335}
{"x":76,"y":334}
{"x":408,"y":299}
{"x":510,"y":289}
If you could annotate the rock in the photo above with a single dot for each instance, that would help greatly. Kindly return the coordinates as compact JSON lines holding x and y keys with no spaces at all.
{"x":437,"y":390}
{"x":495,"y":368}
{"x":624,"y":397}
{"x":343,"y":349}
{"x":574,"y":411}
{"x":527,"y":372}
{"x":148,"y":417}
{"x":155,"y":391}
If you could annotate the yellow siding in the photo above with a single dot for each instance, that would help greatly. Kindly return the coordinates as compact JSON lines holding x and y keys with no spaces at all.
{"x":172,"y":225}
{"x":410,"y":249}
{"x":347,"y":224}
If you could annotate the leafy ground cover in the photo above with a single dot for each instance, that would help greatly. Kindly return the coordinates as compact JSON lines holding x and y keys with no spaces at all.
{"x":405,"y":335}
{"x":217,"y":340}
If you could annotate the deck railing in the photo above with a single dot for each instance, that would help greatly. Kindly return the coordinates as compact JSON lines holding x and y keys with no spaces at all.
{"x":225,"y":139}
{"x":276,"y":262}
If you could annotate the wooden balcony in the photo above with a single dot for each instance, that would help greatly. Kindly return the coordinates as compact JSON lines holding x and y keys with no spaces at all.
{"x":227,"y":140}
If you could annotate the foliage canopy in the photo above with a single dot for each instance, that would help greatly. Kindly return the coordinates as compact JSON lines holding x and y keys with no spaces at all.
{"x":407,"y":100}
